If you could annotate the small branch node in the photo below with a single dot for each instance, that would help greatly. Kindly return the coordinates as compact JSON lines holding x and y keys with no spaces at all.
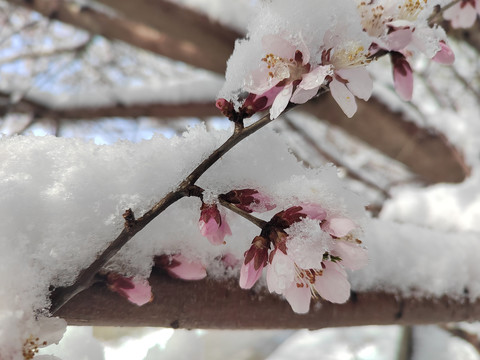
{"x":130,"y":220}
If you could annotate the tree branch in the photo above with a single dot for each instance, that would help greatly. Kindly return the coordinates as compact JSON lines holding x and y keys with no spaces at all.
{"x":222,"y":304}
{"x":422,"y":150}
{"x":133,"y":33}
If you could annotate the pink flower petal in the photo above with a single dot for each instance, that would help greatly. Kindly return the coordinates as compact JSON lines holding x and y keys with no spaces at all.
{"x":316,"y":77}
{"x":141,"y":293}
{"x":462,"y":15}
{"x":313,"y":211}
{"x":359,"y":81}
{"x":186,"y":269}
{"x":298,"y":298}
{"x":260,"y":81}
{"x":333,"y":285}
{"x":229,"y":260}
{"x":279,"y":46}
{"x":281,"y":101}
{"x":343,"y":97}
{"x":445,"y":55}
{"x":338,"y":227}
{"x":399,"y":38}
{"x":212,"y":224}
{"x":301,"y":96}
{"x":353,"y":256}
{"x":280,"y":273}
{"x":248,"y":275}
{"x":137,"y":291}
{"x":402,"y":76}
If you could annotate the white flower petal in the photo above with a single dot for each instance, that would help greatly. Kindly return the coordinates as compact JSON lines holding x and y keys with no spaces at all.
{"x":280,"y":273}
{"x":343,"y":97}
{"x":359,"y":81}
{"x":316,"y":77}
{"x":353,"y":256}
{"x":333,"y":284}
{"x":298,"y":298}
{"x":301,"y":96}
{"x":281,"y":101}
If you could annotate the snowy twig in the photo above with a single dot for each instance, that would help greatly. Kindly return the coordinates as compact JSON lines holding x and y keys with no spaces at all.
{"x":253,"y":219}
{"x":132,"y":225}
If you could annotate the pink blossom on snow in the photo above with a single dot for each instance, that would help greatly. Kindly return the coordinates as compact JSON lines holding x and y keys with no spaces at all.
{"x":285,"y":75}
{"x":137,"y":291}
{"x":212,"y":224}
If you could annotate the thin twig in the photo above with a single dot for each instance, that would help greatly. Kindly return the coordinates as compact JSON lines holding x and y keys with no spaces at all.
{"x":253,"y":219}
{"x":47,"y":53}
{"x":132,"y":226}
{"x":350,"y":172}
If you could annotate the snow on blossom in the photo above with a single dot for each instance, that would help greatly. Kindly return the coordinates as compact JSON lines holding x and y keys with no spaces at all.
{"x":212,"y":224}
{"x":281,"y":58}
{"x":137,"y":291}
{"x":286,"y":68}
{"x":402,"y":30}
{"x":307,"y":259}
{"x":463,"y":14}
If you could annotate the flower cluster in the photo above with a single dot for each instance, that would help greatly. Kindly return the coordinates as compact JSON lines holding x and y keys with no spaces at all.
{"x":295,"y":66}
{"x":305,"y":252}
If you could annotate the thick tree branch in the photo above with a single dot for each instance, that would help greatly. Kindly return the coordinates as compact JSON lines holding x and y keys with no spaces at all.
{"x":212,"y":304}
{"x":136,"y":34}
{"x":182,"y":24}
{"x":422,"y":150}
{"x":157,"y":110}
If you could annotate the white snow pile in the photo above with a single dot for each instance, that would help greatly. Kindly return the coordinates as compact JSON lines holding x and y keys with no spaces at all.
{"x":62,"y":202}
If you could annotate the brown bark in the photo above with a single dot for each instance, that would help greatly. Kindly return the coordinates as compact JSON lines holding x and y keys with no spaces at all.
{"x":424,"y":151}
{"x":133,"y":33}
{"x":223,"y":305}
{"x":181,"y":24}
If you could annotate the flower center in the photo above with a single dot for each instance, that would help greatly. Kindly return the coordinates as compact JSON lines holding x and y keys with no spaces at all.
{"x":349,"y":55}
{"x":283,"y":68}
{"x":411,"y":9}
{"x":306,"y":278}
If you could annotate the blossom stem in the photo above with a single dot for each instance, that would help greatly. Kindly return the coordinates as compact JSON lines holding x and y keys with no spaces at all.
{"x":253,"y":219}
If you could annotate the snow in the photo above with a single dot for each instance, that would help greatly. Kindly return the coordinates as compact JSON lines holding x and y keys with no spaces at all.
{"x":362,"y":343}
{"x":62,"y":202}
